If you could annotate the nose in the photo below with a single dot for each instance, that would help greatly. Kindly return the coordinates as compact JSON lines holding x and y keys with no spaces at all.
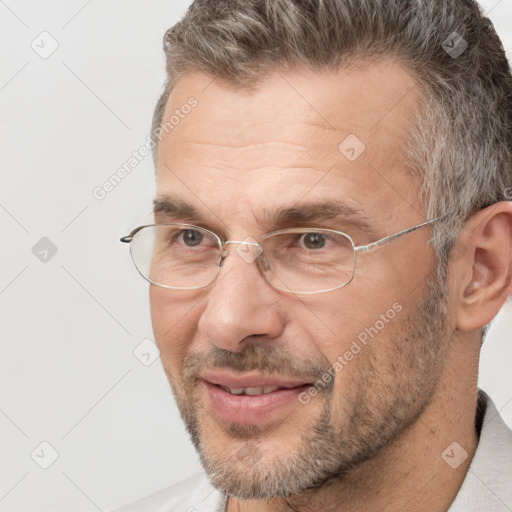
{"x":241,"y":305}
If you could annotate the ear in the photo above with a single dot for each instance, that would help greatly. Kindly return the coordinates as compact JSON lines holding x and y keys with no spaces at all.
{"x":484,"y":273}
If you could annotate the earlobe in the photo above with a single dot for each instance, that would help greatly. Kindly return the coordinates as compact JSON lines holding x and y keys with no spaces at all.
{"x":486,"y":269}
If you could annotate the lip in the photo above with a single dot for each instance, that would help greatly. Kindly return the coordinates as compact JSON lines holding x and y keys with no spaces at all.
{"x":251,"y":409}
{"x":248,"y":380}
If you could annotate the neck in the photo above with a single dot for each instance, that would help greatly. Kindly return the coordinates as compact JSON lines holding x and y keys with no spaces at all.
{"x":422,"y":470}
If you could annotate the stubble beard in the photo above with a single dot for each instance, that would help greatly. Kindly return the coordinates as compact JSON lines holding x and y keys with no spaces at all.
{"x":385,"y":398}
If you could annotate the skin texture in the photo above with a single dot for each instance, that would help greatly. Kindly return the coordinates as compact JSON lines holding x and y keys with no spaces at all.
{"x":373,"y":439}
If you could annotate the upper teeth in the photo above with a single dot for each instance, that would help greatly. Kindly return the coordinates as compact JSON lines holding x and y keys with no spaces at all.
{"x":251,"y":391}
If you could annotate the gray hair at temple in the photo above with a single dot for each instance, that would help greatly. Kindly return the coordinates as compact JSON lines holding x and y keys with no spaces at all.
{"x":460,"y":143}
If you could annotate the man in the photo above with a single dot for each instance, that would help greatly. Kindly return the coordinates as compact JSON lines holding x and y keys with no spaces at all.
{"x":315,"y":369}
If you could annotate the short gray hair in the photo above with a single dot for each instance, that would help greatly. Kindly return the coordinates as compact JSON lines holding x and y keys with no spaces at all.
{"x":460,"y":142}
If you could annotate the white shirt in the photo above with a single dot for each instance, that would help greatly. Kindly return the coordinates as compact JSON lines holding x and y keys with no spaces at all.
{"x":486,"y":488}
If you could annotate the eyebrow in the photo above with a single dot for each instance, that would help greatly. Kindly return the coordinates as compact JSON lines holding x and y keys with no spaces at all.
{"x":173,"y":207}
{"x":296,"y":215}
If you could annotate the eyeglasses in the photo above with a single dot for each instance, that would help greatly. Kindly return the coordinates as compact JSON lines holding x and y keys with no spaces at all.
{"x":298,"y":260}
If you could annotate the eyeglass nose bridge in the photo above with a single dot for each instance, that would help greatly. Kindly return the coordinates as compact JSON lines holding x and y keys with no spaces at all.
{"x":249,"y":259}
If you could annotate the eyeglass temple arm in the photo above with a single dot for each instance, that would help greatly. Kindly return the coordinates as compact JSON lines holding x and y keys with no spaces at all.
{"x":390,"y":238}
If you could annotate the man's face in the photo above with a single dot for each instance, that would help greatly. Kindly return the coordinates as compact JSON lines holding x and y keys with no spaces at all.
{"x":378,"y":345}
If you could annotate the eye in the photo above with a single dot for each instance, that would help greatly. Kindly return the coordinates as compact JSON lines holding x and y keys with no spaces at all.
{"x":312,"y":241}
{"x":190,"y":237}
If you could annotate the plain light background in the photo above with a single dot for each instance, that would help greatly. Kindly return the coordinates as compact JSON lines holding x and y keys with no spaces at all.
{"x":72,"y":326}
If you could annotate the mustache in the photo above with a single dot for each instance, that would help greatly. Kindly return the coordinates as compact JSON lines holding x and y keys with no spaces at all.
{"x":265,"y":359}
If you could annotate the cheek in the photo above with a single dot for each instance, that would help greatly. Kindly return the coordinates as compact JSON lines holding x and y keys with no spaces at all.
{"x":333,"y":323}
{"x":353,"y":327}
{"x":174,"y":316}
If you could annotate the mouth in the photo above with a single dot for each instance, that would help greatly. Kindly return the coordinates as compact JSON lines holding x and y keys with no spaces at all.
{"x":250,"y":398}
{"x":254,"y":391}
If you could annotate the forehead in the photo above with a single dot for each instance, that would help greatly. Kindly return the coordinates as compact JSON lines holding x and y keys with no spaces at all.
{"x":302,"y":135}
